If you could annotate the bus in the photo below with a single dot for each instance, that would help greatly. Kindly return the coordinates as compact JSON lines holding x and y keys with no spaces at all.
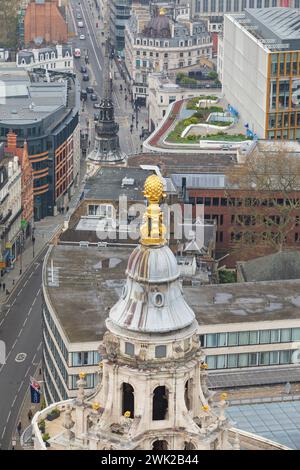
{"x":77,"y":53}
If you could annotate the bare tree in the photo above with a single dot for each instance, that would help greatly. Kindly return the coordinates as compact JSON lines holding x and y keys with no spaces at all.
{"x":269,"y":207}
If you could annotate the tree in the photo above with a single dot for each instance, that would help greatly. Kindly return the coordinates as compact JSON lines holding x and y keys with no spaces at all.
{"x":268,"y":209}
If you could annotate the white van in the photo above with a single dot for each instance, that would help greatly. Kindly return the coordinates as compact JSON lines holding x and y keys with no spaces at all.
{"x":80,"y":24}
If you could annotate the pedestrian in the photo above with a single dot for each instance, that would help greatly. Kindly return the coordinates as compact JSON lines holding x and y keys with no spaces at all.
{"x":7,"y":292}
{"x":29,"y":415}
{"x":19,"y":428}
{"x":0,"y":285}
{"x":13,"y":282}
{"x":3,"y":285}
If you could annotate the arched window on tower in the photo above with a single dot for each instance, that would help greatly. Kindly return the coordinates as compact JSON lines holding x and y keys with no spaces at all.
{"x":189,"y":446}
{"x":188,"y":397}
{"x":160,"y":445}
{"x":160,"y":403}
{"x":127,"y":399}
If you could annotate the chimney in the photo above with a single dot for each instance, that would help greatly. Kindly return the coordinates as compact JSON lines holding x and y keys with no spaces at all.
{"x":11,"y":142}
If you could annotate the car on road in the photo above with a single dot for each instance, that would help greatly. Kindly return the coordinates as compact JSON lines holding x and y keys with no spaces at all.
{"x":96,"y":117}
{"x":80,"y":24}
{"x":97,"y":105}
{"x":90,"y":89}
{"x":83,"y":69}
{"x":83,"y":95}
{"x":94,"y":97}
{"x":85,"y":77}
{"x":82,"y":37}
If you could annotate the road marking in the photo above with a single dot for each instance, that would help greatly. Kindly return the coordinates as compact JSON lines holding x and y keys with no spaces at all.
{"x":73,"y":18}
{"x":33,"y":358}
{"x":8,"y":416}
{"x":20,"y":332}
{"x":25,"y":321}
{"x":39,"y":346}
{"x":21,"y":385}
{"x":25,"y":282}
{"x":4,"y":429}
{"x":14,"y":345}
{"x":14,"y":302}
{"x":27,"y":371}
{"x":92,"y":42}
{"x":38,"y":292}
{"x":29,"y":312}
{"x":13,"y":403}
{"x":20,"y":357}
{"x":34,"y":301}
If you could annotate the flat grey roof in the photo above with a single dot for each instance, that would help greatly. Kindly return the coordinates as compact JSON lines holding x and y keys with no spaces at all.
{"x":27,"y":101}
{"x":88,"y":281}
{"x":280,"y":23}
{"x":107,"y":184}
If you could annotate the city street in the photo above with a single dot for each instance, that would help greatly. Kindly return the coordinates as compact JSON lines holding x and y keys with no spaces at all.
{"x":20,"y":329}
{"x":93,"y":46}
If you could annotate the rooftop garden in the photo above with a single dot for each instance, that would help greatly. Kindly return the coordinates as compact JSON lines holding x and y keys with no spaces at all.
{"x":196,"y":79}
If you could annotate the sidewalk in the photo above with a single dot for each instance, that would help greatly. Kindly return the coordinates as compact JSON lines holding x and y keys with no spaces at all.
{"x":44,"y":231}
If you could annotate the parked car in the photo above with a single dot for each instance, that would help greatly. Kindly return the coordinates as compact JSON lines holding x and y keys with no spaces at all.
{"x":90,"y":89}
{"x":85,"y":77}
{"x":97,"y":105}
{"x":94,"y":97}
{"x":83,"y":69}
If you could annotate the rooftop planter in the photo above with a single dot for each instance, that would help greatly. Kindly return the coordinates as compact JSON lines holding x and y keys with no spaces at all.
{"x":54,"y":414}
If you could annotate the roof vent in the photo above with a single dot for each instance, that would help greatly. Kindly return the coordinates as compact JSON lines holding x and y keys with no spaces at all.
{"x":127,"y":182}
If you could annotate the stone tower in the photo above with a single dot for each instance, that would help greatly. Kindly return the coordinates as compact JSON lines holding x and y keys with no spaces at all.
{"x":152,"y":392}
{"x":107,"y":146}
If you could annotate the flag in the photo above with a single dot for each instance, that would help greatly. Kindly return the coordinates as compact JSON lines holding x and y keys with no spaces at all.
{"x":35,"y":391}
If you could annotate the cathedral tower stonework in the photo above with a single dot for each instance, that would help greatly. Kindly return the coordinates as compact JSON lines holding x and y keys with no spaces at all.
{"x":152,"y":392}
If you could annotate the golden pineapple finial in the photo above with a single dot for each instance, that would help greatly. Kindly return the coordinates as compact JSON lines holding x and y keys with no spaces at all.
{"x":153,"y":230}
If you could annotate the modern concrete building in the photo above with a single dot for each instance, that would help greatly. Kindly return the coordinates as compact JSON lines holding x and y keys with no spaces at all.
{"x":260,"y":70}
{"x":159,"y":44}
{"x":218,"y":8}
{"x":57,"y":57}
{"x":45,"y":112}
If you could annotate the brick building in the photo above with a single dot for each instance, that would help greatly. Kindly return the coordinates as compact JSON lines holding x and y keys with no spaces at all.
{"x":26,"y":180}
{"x":44,"y":23}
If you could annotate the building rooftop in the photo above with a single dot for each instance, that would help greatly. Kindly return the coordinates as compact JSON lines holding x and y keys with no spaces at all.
{"x":245,"y":302}
{"x":110,"y":183}
{"x":28,"y":98}
{"x":275,"y":28}
{"x":89,"y":280}
{"x":284,"y":265}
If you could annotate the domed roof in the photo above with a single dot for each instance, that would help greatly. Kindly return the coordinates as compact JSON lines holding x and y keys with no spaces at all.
{"x":156,"y":265}
{"x":158,"y":27}
{"x":152,"y":299}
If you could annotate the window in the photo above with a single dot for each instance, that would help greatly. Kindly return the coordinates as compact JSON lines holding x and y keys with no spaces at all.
{"x":211,"y":362}
{"x":284,"y":357}
{"x":129,"y":349}
{"x":232,"y":360}
{"x":274,"y":336}
{"x":232,"y":339}
{"x":243,"y":360}
{"x":296,"y":334}
{"x":264,"y":358}
{"x":285,"y":336}
{"x":274,"y":357}
{"x":158,"y":299}
{"x":221,"y":361}
{"x":222,"y":339}
{"x":215,"y":201}
{"x":160,"y":403}
{"x":264,"y":337}
{"x":253,"y":359}
{"x":160,"y":351}
{"x":211,"y":340}
{"x":243,"y":338}
{"x":127,"y":399}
